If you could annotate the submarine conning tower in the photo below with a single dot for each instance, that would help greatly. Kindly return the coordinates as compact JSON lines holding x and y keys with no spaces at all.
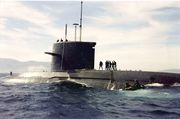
{"x":71,"y":55}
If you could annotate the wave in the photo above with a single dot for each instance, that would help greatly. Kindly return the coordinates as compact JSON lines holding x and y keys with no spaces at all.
{"x":28,"y":80}
{"x":156,"y":112}
{"x":154,"y":85}
{"x":151,"y":93}
{"x":176,"y":85}
{"x":69,"y":83}
{"x":5,"y":77}
{"x":162,"y":85}
{"x":163,"y":112}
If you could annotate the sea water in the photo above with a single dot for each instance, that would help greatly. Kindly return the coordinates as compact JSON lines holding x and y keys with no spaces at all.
{"x":52,"y":101}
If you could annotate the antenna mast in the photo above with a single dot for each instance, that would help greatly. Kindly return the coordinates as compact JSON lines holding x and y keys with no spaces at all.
{"x":81,"y":21}
{"x":66,"y":32}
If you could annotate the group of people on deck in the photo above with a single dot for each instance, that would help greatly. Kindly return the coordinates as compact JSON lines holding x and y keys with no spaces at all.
{"x":109,"y":65}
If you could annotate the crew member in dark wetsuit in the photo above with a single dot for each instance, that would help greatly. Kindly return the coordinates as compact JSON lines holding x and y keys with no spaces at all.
{"x":100,"y":65}
{"x":127,"y":86}
{"x":137,"y":84}
{"x":106,"y":65}
{"x":115,"y":66}
{"x":10,"y":73}
{"x":110,"y":65}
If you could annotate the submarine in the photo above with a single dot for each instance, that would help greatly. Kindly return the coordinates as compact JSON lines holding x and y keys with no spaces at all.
{"x":73,"y":61}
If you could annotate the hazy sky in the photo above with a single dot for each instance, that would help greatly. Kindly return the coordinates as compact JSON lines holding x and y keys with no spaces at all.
{"x":137,"y":35}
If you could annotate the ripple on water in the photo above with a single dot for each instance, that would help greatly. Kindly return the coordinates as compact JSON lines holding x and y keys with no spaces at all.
{"x":44,"y":101}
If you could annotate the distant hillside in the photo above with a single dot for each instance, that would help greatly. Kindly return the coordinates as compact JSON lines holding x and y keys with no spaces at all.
{"x":7,"y":65}
{"x":172,"y":70}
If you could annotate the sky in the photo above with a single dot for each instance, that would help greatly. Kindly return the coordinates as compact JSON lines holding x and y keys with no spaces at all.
{"x":138,"y":35}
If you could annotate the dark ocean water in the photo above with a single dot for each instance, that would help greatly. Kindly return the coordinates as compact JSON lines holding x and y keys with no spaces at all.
{"x":51,"y":101}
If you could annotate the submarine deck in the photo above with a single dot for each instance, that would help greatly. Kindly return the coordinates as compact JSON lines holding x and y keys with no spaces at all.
{"x":102,"y":78}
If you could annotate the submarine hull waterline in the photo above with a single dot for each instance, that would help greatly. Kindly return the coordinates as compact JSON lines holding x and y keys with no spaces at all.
{"x":102,"y":78}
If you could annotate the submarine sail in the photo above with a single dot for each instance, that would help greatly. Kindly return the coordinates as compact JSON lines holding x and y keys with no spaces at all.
{"x":77,"y":55}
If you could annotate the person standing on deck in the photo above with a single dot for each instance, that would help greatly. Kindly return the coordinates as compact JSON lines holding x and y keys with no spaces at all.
{"x":101,"y":65}
{"x":106,"y":65}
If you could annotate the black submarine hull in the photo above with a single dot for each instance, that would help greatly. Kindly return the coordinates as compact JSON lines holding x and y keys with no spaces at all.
{"x":102,"y":78}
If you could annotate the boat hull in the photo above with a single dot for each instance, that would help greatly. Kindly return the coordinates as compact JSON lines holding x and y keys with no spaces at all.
{"x":101,"y":78}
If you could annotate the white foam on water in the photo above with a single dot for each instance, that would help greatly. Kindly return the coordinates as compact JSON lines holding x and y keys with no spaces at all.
{"x":29,"y":80}
{"x":5,"y":77}
{"x":14,"y":81}
{"x":149,"y":93}
{"x":73,"y":80}
{"x":36,"y":77}
{"x":138,"y":93}
{"x":155,"y":85}
{"x":176,"y":85}
{"x":44,"y":74}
